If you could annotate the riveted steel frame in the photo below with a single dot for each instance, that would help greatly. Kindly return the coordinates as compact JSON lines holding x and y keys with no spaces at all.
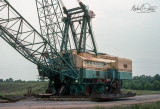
{"x":50,"y":19}
{"x":21,"y":35}
{"x":79,"y":20}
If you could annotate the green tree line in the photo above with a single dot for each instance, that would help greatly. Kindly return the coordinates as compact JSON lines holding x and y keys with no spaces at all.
{"x":19,"y":80}
{"x":142,"y":83}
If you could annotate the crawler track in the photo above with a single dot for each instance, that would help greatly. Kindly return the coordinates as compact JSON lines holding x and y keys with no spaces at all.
{"x":50,"y":97}
{"x":84,"y":98}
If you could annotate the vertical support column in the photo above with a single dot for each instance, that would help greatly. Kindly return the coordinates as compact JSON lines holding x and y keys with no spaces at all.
{"x":84,"y":37}
{"x":74,"y":35}
{"x":92,"y":37}
{"x":81,"y":37}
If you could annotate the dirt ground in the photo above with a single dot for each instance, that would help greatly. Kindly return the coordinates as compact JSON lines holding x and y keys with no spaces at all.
{"x":40,"y":104}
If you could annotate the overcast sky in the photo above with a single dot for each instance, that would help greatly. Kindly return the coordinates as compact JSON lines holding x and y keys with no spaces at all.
{"x":118,"y":31}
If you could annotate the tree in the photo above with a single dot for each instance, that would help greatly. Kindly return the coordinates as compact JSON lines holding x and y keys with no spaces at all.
{"x":9,"y":80}
{"x":147,"y":86}
{"x":1,"y":80}
{"x":132,"y":85}
{"x":157,"y":77}
{"x":156,"y":85}
{"x":18,"y":80}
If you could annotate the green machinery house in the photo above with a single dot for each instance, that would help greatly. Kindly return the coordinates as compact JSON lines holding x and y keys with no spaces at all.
{"x":102,"y":66}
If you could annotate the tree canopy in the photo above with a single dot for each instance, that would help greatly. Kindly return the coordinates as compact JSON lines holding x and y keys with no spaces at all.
{"x":143,"y":83}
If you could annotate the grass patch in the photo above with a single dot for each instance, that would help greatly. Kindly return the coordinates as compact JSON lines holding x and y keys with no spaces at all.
{"x":136,"y":106}
{"x":19,"y":88}
{"x":140,"y":92}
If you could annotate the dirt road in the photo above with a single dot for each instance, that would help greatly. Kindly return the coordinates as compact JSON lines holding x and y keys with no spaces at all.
{"x":33,"y":104}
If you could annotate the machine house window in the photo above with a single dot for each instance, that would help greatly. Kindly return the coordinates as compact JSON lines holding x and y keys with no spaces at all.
{"x":95,"y":64}
{"x":89,"y":63}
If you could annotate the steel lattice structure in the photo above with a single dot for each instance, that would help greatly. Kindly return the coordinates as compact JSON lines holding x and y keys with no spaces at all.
{"x":78,"y":21}
{"x":21,"y":35}
{"x":50,"y":18}
{"x":65,"y":50}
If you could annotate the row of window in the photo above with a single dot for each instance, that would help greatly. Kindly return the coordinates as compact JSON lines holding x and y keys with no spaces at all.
{"x":95,"y":63}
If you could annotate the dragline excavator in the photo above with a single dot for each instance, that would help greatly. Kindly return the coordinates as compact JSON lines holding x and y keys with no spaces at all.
{"x":65,"y":50}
